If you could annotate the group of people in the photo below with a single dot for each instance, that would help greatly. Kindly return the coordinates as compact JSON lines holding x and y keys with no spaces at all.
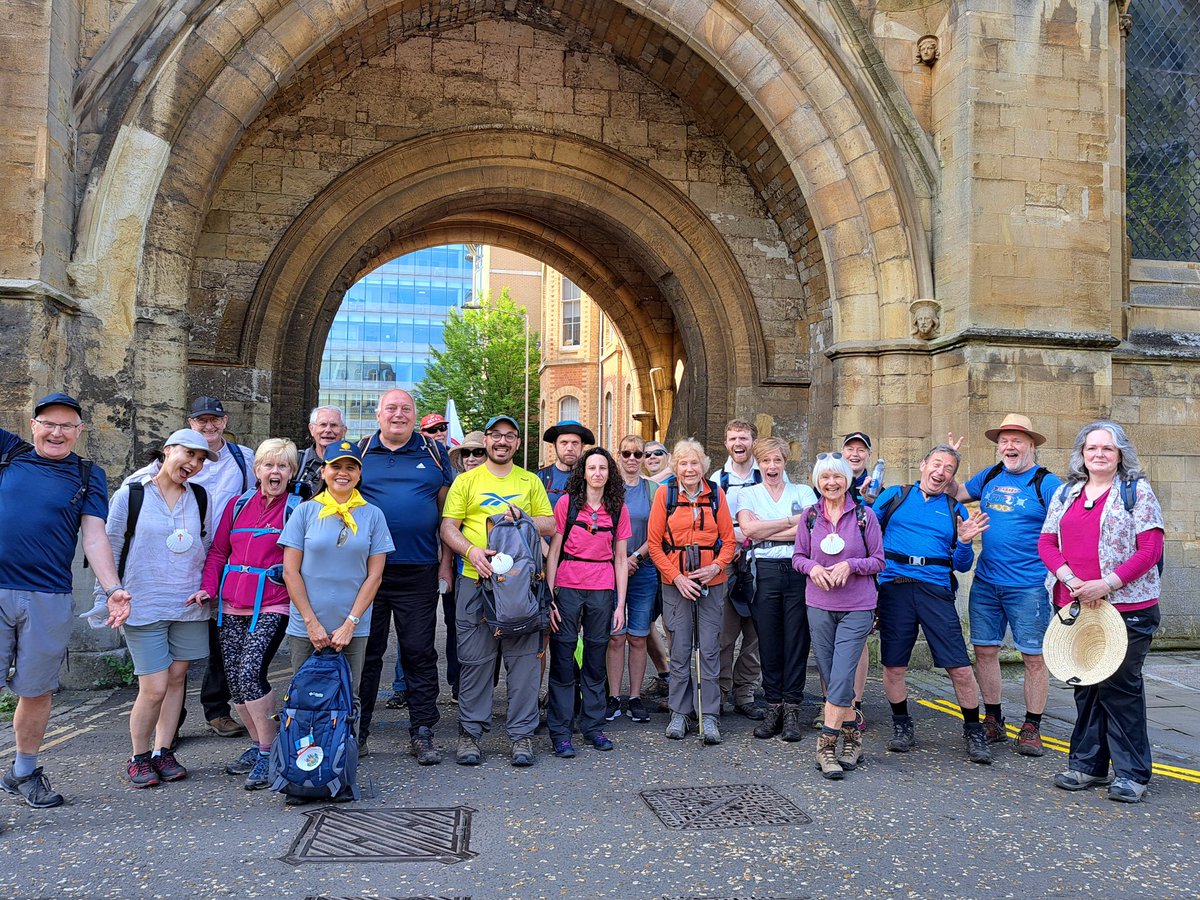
{"x":212,"y":550}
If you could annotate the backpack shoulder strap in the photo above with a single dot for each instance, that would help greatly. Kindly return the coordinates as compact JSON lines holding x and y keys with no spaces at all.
{"x":235,"y":450}
{"x":714,"y":499}
{"x":992,"y":474}
{"x":17,"y":450}
{"x":364,"y":442}
{"x":1129,"y":493}
{"x":137,"y":495}
{"x":810,"y":518}
{"x":202,"y":504}
{"x":544,"y":477}
{"x":953,"y":504}
{"x":723,"y":479}
{"x":672,"y":486}
{"x":572,"y":515}
{"x":894,"y":504}
{"x":293,"y":503}
{"x":431,"y":448}
{"x":240,"y":503}
{"x":1039,"y":476}
{"x":860,"y":516}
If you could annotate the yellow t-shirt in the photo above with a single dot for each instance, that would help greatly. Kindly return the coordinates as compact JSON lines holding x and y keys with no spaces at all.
{"x":477,"y":495}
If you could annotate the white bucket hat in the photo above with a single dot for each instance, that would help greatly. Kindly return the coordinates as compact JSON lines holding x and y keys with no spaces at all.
{"x":1085,"y":644}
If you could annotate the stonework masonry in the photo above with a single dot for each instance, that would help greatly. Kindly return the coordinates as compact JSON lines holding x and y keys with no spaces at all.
{"x":754,"y":192}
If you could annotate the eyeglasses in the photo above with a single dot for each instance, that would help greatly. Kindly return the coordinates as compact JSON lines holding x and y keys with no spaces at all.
{"x":59,"y":427}
{"x":656,"y":452}
{"x":435,"y":429}
{"x":474,"y":451}
{"x":506,"y":437}
{"x":632,"y":454}
{"x":829,"y":456}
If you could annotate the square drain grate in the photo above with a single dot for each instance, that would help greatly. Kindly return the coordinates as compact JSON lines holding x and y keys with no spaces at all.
{"x":723,"y":806}
{"x":336,"y":834}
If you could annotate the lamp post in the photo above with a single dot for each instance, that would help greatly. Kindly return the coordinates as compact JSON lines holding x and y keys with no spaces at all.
{"x":524,"y":316}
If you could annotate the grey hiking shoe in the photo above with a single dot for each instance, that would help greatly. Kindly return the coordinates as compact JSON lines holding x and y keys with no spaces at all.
{"x":709,"y":730}
{"x":1126,"y":790}
{"x":1072,"y":780}
{"x":904,"y":737}
{"x":468,"y":752}
{"x":34,"y":787}
{"x":677,"y":728}
{"x":522,"y":753}
{"x":244,"y":763}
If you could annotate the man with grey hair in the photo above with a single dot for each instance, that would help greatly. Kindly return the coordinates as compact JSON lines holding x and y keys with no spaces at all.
{"x":927,"y":537}
{"x":327,"y":425}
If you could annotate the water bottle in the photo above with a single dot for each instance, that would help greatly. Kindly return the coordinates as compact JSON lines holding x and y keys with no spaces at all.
{"x":876,"y":484}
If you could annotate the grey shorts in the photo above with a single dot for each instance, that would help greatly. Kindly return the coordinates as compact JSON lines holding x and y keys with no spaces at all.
{"x":34,"y":629}
{"x":155,"y":646}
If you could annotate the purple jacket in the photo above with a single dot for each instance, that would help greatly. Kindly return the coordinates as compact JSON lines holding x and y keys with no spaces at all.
{"x":865,"y":561}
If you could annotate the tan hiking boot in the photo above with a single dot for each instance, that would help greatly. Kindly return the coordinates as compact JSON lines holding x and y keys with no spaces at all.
{"x":851,"y":754}
{"x":827,"y":756}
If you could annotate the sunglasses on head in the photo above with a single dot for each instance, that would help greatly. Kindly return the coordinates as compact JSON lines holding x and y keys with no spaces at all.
{"x":474,"y":451}
{"x":829,"y":456}
{"x":435,"y":429}
{"x":656,"y":452}
{"x":634,"y":454}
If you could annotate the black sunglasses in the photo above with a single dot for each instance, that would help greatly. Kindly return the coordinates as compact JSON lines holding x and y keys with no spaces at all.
{"x":656,"y":452}
{"x":435,"y":429}
{"x":636,"y":454}
{"x":829,"y":456}
{"x":474,"y":451}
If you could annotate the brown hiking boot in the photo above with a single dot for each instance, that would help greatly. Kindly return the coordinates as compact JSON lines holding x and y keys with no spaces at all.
{"x":827,"y":756}
{"x":1029,"y":741}
{"x":851,"y":754}
{"x":772,"y":724}
{"x":993,"y":729}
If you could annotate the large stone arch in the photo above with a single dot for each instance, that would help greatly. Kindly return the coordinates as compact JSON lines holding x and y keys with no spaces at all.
{"x":538,"y":180}
{"x":774,"y":79}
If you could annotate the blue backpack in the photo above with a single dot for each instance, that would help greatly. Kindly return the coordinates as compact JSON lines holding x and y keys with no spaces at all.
{"x":315,"y":754}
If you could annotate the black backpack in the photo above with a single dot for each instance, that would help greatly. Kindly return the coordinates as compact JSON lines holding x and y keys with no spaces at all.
{"x":85,"y":470}
{"x":672,"y":501}
{"x":1039,"y":475}
{"x":889,"y":510}
{"x":1128,"y":489}
{"x":572,"y":520}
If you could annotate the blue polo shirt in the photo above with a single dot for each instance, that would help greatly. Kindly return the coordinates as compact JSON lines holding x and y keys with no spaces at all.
{"x":1009,"y":556}
{"x":404,"y":483}
{"x":922,"y":526}
{"x":40,"y":512}
{"x":555,"y":481}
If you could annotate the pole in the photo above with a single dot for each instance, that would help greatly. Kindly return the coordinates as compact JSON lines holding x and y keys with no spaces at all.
{"x":526,"y":447}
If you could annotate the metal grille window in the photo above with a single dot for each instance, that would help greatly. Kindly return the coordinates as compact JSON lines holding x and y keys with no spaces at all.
{"x":1162,"y":107}
{"x":572,"y":306}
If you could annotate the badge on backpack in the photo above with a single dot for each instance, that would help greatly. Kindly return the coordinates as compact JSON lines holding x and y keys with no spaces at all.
{"x":501,"y":563}
{"x":310,"y":755}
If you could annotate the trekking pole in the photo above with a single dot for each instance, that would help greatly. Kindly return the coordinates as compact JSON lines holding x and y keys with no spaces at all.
{"x":696,"y":657}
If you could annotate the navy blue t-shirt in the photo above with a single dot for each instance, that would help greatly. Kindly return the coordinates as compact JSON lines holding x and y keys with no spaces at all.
{"x":41,"y":515}
{"x":404,"y":483}
{"x":1010,"y":553}
{"x":922,"y":526}
{"x":557,"y":485}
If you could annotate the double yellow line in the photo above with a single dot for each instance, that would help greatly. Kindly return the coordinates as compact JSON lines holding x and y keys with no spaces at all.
{"x":1160,"y":769}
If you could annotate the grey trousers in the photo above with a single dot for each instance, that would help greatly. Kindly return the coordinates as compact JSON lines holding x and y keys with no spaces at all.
{"x":739,"y":678}
{"x":477,"y":648}
{"x":837,"y":642}
{"x":677,"y":618}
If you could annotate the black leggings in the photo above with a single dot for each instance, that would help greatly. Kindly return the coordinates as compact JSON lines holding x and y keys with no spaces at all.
{"x":247,"y":656}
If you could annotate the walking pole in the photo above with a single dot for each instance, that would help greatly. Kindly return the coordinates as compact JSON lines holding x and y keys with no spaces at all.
{"x":696,"y":664}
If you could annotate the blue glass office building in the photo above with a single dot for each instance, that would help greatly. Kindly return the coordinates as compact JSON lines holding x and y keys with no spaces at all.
{"x":388,"y":321}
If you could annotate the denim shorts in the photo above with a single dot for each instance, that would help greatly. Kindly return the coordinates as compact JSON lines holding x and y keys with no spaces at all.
{"x":640,"y":596}
{"x":906,"y":605}
{"x":34,"y":629}
{"x":155,"y":646}
{"x":995,"y":607}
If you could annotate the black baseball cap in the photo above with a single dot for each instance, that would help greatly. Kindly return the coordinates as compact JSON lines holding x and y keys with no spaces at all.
{"x":206,"y":406}
{"x":57,"y":399}
{"x":858,"y":436}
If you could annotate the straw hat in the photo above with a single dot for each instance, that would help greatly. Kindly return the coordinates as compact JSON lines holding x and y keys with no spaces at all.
{"x":473,"y":441}
{"x":1015,"y":422}
{"x":1085,"y":644}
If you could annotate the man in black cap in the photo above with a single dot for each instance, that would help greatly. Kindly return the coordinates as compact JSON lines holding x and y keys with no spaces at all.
{"x":54,"y":495}
{"x":568,"y":438}
{"x":856,"y":450}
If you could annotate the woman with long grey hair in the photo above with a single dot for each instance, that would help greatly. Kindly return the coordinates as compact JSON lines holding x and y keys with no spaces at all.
{"x":1101,"y":541}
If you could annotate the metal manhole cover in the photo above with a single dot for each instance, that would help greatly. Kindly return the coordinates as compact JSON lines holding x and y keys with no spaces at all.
{"x":723,"y":806}
{"x":422,"y":897}
{"x":336,"y":834}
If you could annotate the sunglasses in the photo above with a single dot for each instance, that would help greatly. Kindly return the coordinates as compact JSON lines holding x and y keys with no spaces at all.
{"x":656,"y":452}
{"x":474,"y":451}
{"x":435,"y":429}
{"x":632,"y":454}
{"x":829,"y":456}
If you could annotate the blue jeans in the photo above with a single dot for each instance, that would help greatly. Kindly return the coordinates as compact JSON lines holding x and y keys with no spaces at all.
{"x":995,"y":607}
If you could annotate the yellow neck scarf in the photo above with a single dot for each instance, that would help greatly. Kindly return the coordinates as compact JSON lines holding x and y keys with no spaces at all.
{"x":333,"y":508}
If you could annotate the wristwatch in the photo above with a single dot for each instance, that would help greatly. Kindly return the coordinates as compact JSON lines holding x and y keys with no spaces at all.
{"x":637,"y":557}
{"x":353,"y":618}
{"x":112,"y":590}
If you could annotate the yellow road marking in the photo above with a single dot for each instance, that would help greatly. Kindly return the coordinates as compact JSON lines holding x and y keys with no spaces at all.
{"x":1161,"y":769}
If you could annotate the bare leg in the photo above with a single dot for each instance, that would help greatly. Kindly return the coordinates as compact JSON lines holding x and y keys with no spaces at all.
{"x":637,"y":664}
{"x":147,"y":706}
{"x":860,"y":675}
{"x":616,"y":665}
{"x":837,"y":716}
{"x":966,"y":689}
{"x":894,"y":685}
{"x":987,"y":670}
{"x":657,"y":650}
{"x":1037,"y":683}
{"x":256,"y":714}
{"x":172,"y":703}
{"x":29,"y":722}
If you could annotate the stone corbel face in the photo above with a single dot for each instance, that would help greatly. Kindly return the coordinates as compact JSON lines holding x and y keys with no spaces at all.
{"x":1124,"y":19}
{"x":928,"y":49}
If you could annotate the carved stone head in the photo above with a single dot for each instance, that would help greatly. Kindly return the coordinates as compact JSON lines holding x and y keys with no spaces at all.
{"x":926,"y":319}
{"x":928,"y":49}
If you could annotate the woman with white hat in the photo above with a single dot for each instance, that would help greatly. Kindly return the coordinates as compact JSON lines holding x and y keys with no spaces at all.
{"x":1101,"y":541}
{"x":470,"y":453}
{"x":160,"y":528}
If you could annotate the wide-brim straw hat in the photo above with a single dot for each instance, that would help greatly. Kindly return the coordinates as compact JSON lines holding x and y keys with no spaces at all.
{"x":473,"y":441}
{"x":1015,"y":422}
{"x":1085,"y":648}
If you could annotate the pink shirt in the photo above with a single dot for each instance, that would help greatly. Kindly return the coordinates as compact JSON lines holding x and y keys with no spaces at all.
{"x":1079,"y":534}
{"x":587,"y":540}
{"x":255,"y":543}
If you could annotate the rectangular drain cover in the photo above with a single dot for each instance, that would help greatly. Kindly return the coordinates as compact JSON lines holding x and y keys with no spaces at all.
{"x":723,"y":806}
{"x":337,"y":834}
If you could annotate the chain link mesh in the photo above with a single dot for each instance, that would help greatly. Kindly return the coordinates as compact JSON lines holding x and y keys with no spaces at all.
{"x":1162,"y":109}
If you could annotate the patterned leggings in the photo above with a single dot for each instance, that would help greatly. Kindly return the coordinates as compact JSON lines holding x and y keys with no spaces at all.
{"x":247,"y":655}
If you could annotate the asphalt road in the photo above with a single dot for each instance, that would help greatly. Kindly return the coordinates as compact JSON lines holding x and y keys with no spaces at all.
{"x":924,"y":824}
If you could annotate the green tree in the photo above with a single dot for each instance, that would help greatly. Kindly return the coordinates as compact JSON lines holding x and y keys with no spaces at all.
{"x":482,"y":365}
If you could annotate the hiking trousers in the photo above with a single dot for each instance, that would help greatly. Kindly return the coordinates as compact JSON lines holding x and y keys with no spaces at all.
{"x":477,"y":650}
{"x":740,"y":678}
{"x":677,"y":617}
{"x":590,"y":612}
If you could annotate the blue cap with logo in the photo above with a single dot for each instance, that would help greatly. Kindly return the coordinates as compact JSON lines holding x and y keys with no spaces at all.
{"x":501,"y":418}
{"x":342,"y":450}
